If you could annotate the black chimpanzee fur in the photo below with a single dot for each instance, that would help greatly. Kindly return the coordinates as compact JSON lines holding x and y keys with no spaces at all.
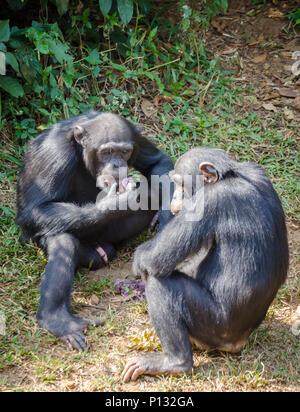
{"x":232,"y":263}
{"x":56,"y":204}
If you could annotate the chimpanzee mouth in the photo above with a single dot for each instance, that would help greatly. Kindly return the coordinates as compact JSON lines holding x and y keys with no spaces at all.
{"x":123,"y":184}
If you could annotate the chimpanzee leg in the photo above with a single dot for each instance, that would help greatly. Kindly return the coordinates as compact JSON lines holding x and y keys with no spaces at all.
{"x":100,"y":251}
{"x":121,"y":230}
{"x":54,"y":309}
{"x":169,"y":316}
{"x":180,"y":310}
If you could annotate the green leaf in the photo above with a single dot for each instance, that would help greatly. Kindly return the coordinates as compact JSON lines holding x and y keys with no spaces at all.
{"x":152,"y":33}
{"x":16,"y":5}
{"x":11,"y":86}
{"x":93,"y":99}
{"x":94,"y":57}
{"x":12,"y":61}
{"x":118,"y":67}
{"x":105,"y":6}
{"x":60,"y":52}
{"x":4,"y":30}
{"x":125,"y":8}
{"x":44,"y":112}
{"x":17,"y":161}
{"x":42,"y":46}
{"x":96,"y":71}
{"x":37,"y":87}
{"x":68,"y":81}
{"x":144,"y":6}
{"x":150,"y":75}
{"x":29,"y":65}
{"x":62,"y":6}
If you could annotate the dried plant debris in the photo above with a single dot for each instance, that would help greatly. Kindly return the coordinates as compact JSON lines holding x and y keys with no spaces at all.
{"x":145,"y":341}
{"x":133,"y":288}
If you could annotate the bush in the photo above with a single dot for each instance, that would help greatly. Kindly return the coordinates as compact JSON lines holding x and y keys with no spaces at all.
{"x":90,"y":60}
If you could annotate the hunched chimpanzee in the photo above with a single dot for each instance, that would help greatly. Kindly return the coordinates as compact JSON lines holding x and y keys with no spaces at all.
{"x":211,"y":280}
{"x":56,"y":199}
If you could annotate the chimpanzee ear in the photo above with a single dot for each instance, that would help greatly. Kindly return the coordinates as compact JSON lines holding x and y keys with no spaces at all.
{"x":79,"y":134}
{"x":209,"y":172}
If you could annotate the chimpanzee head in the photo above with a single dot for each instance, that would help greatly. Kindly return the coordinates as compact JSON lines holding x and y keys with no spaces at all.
{"x":108,"y":147}
{"x":211,"y":164}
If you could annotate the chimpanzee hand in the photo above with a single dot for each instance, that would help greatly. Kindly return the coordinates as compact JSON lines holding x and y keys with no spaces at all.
{"x":138,"y":267}
{"x":143,"y":265}
{"x":68,"y":328}
{"x":161,"y":218}
{"x":111,"y":200}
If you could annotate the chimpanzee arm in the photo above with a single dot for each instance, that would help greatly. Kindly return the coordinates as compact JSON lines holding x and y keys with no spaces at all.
{"x":150,"y":161}
{"x":51,"y":218}
{"x":42,"y":191}
{"x":179,"y":239}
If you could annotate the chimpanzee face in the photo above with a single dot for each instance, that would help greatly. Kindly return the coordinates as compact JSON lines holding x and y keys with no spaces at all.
{"x":112,"y":163}
{"x":185,"y":184}
{"x":108,"y":148}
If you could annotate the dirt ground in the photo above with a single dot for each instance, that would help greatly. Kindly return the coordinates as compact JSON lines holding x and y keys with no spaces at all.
{"x":254,"y":38}
{"x":265,"y":363}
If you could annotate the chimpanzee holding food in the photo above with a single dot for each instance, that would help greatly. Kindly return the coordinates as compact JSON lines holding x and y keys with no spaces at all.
{"x":212,"y":279}
{"x":63,"y":170}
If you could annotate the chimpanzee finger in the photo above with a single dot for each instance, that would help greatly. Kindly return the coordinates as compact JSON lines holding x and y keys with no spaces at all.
{"x":77,"y":341}
{"x":81,"y":340}
{"x":112,"y":190}
{"x":154,"y":223}
{"x":128,"y":371}
{"x":65,"y":339}
{"x":128,"y":364}
{"x":133,"y":372}
{"x":137,"y":372}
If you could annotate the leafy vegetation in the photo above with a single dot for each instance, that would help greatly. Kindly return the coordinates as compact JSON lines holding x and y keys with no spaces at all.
{"x":57,"y":74}
{"x":295,"y":16}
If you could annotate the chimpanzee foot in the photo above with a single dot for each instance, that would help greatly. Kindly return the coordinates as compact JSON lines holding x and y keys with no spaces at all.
{"x":154,"y":364}
{"x":95,"y":257}
{"x":102,"y":254}
{"x":77,"y":340}
{"x":68,"y":328}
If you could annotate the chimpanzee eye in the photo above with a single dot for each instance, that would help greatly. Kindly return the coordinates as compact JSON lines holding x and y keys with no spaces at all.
{"x":105,"y":154}
{"x":187,"y":190}
{"x":126,"y":154}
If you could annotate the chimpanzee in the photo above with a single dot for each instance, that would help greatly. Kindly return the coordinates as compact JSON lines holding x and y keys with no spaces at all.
{"x":211,"y":280}
{"x":57,"y":208}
